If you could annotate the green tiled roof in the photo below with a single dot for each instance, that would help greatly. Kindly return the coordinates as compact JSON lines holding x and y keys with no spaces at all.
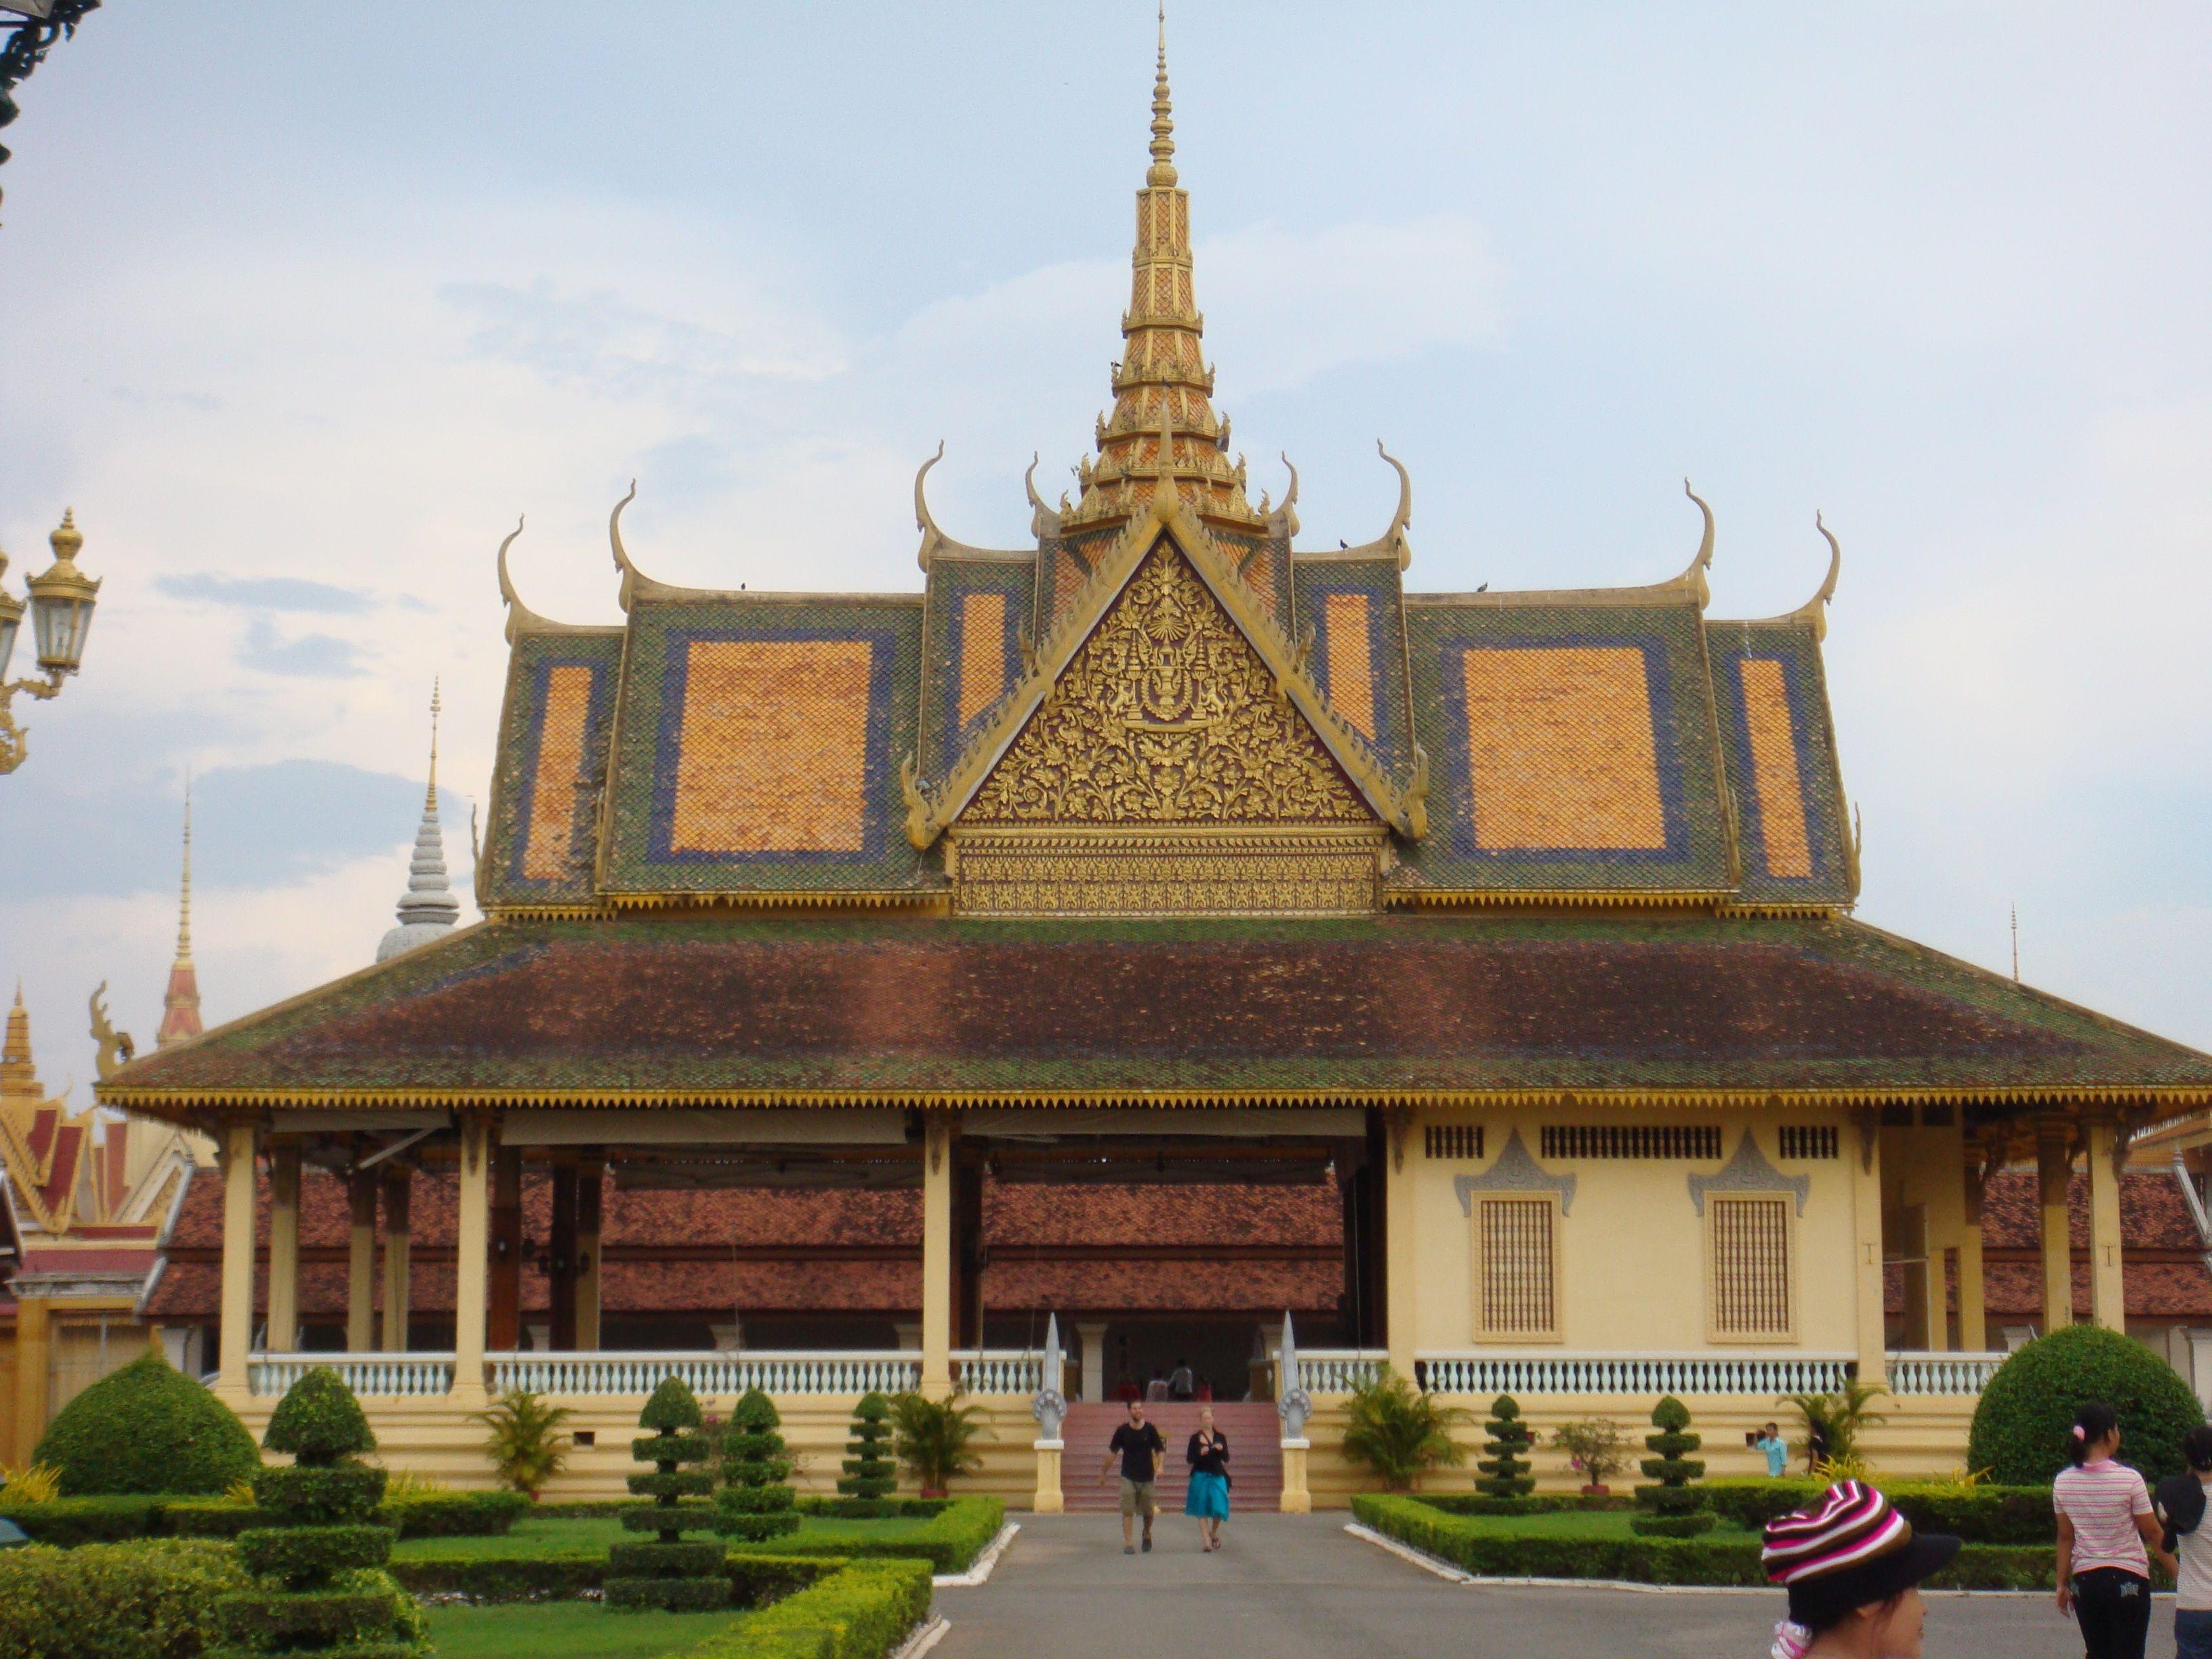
{"x":911,"y":1007}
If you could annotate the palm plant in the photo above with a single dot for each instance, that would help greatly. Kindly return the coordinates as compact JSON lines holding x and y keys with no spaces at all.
{"x":525,"y":1445}
{"x":1832,"y":1421}
{"x":934,"y":1438}
{"x":1399,"y":1430}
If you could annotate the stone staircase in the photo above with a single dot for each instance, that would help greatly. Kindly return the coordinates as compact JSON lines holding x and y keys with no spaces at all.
{"x":1255,"y":1454}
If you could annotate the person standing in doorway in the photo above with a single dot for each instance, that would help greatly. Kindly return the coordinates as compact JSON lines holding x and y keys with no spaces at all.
{"x":1140,"y":1447}
{"x":1207,"y":1498}
{"x":1181,"y":1384}
{"x":2106,"y":1531}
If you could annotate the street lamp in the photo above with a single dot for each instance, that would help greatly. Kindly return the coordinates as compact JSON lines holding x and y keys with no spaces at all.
{"x":33,"y":28}
{"x":61,"y":599}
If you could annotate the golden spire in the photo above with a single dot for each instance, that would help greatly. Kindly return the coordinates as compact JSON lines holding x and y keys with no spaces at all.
{"x":184,"y":893}
{"x":1164,"y":424}
{"x":432,"y":800}
{"x":180,"y":999}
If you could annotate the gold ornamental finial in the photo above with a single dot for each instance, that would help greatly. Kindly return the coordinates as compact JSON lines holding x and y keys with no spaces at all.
{"x":432,"y":800}
{"x":68,"y":539}
{"x":1162,"y":174}
{"x":184,"y":887}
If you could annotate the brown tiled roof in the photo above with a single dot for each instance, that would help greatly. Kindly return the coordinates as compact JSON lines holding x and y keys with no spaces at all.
{"x":2152,"y":1213}
{"x":1198,"y":1215}
{"x":692,"y":1007}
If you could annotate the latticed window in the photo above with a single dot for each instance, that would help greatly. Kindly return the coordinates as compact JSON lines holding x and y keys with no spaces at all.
{"x":1516,"y":1273}
{"x":1751,"y":1267}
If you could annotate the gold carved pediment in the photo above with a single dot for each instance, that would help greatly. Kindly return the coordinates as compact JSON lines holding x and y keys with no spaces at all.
{"x":1167,"y":715}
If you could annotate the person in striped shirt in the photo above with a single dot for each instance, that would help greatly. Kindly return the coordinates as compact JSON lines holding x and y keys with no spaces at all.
{"x":2106,"y":1537}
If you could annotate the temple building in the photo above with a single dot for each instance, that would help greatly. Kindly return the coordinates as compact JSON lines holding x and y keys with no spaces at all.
{"x":910,"y":968}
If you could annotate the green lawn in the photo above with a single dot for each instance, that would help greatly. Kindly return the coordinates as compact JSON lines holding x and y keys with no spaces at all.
{"x":574,"y":1541}
{"x":1582,"y":1523}
{"x":566,"y":1630}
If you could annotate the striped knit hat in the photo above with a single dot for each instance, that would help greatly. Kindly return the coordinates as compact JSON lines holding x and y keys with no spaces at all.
{"x":1851,"y":1548}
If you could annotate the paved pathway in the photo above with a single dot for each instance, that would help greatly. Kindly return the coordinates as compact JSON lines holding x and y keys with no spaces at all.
{"x":1296,"y":1587}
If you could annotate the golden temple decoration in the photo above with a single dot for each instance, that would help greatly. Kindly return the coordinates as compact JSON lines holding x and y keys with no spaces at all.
{"x":1014,"y":872}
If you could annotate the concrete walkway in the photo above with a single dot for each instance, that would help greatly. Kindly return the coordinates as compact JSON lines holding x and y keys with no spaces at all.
{"x":1296,"y":1587}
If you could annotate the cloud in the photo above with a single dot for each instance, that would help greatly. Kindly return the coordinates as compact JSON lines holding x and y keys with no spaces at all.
{"x":266,"y":594}
{"x":317,"y":656}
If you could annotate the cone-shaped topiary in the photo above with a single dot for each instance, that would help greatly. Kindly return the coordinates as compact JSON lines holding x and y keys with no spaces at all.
{"x":148,"y":1428}
{"x":2024,"y":1421}
{"x":756,"y":1500}
{"x":668,"y":1573}
{"x":1673,"y":1508}
{"x":869,"y":1471}
{"x":1505,"y":1471}
{"x":322,"y":1589}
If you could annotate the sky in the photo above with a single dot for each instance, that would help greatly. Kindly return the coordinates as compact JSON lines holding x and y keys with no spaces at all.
{"x":304,"y":304}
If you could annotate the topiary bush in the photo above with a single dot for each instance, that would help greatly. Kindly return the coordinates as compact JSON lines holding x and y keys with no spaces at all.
{"x":756,"y":1500}
{"x":323,"y":1589}
{"x":147,"y":1428}
{"x":152,"y":1600}
{"x":668,"y":1573}
{"x":2024,"y":1421}
{"x":869,"y":1471}
{"x":1671,"y":1507}
{"x":1505,"y":1472}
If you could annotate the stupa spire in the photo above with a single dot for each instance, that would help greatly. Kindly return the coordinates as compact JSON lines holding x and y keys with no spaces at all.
{"x":180,"y":1001}
{"x":428,"y":909}
{"x":1163,"y":423}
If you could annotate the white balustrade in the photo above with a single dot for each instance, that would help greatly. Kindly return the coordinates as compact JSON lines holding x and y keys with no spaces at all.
{"x":1337,"y":1371}
{"x":888,"y":1371}
{"x":375,"y":1374}
{"x":1959,"y":1372}
{"x":999,"y":1370}
{"x":1480,"y":1372}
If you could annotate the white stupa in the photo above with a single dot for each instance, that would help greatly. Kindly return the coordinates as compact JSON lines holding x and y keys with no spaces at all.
{"x":428,"y":909}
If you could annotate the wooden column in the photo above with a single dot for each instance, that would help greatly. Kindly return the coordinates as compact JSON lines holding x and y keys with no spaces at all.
{"x":2054,"y":1161}
{"x":361,"y":1262}
{"x":937,"y":1263}
{"x":967,"y":1249}
{"x":590,"y":1176}
{"x":1866,"y":1237}
{"x":560,"y":1278}
{"x":237,"y":1304}
{"x":472,"y":1261}
{"x":1973,"y":1318}
{"x":2108,"y":1303}
{"x":1400,"y":1334}
{"x":398,"y":1183}
{"x":33,"y":1372}
{"x":283,"y":1247}
{"x":504,"y":1326}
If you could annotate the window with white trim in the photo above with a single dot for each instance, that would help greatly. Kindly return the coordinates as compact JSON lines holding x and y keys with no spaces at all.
{"x":1752,"y":1284}
{"x":1516,"y":1268}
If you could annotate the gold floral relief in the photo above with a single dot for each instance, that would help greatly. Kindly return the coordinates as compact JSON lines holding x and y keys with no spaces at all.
{"x":1167,"y":715}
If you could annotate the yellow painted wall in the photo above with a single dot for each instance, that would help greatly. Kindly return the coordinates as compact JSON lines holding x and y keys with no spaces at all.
{"x":1632,"y":1249}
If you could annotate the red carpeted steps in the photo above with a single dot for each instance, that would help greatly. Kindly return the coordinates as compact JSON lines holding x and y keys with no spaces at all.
{"x":1255,"y":1454}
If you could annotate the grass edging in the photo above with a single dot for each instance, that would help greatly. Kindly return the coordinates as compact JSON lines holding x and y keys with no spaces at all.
{"x":1488,"y":1550}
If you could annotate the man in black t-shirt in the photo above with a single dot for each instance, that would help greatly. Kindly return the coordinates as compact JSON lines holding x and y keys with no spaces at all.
{"x":1141,"y":1448}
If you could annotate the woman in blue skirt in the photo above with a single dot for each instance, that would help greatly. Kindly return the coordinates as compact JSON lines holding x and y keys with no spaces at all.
{"x":1208,"y":1495}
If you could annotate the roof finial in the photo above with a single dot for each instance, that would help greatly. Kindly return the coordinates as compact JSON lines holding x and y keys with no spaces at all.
{"x":180,"y":997}
{"x":184,"y":893}
{"x":433,"y":796}
{"x":1162,"y":172}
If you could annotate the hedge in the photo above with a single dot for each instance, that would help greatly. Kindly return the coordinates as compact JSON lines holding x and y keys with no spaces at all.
{"x":2023,"y":1422}
{"x":122,"y":1516}
{"x":949,"y":1541}
{"x":1980,"y":1514}
{"x":860,"y":1611}
{"x":141,"y":1600}
{"x":1488,"y":1552}
{"x":755,"y":1580}
{"x":67,"y":1521}
{"x":1541,"y":1503}
{"x":147,"y":1428}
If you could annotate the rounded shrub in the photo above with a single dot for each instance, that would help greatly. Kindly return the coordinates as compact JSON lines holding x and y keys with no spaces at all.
{"x":2024,"y":1422}
{"x":147,"y":1428}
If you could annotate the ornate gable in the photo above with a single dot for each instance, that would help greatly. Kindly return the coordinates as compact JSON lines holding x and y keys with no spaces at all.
{"x":1167,"y":773}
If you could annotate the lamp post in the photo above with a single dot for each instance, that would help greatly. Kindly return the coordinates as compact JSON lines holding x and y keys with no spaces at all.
{"x":61,"y":616}
{"x":33,"y":26}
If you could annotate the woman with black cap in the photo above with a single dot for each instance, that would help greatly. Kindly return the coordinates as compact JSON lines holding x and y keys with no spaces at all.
{"x":1852,"y":1565}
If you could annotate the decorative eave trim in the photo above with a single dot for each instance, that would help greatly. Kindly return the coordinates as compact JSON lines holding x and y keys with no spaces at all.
{"x":175,"y":1102}
{"x":1776,"y":910}
{"x":936,"y":544}
{"x":816,"y":899}
{"x":1691,"y":587}
{"x":521,"y":618}
{"x":590,"y":910}
{"x":1814,"y":613}
{"x":932,"y":809}
{"x":1591,"y":898}
{"x":1392,"y":542}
